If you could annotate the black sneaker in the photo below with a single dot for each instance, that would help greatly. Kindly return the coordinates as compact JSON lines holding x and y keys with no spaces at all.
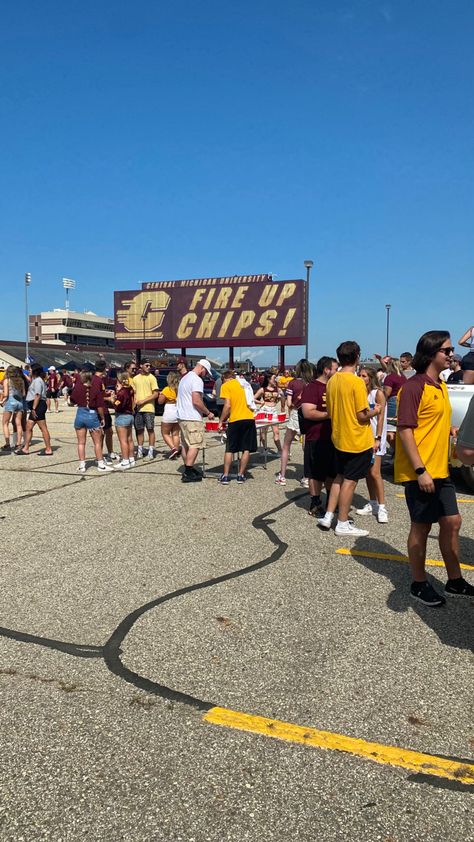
{"x":459,"y":587}
{"x":191,"y":478}
{"x":317,"y":511}
{"x":7,"y":447}
{"x":423,"y":592}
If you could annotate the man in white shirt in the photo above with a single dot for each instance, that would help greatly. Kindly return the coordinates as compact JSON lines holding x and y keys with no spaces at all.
{"x":191,"y":409}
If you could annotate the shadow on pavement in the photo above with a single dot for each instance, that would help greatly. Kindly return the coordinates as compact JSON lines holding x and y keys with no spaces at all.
{"x":453,"y":623}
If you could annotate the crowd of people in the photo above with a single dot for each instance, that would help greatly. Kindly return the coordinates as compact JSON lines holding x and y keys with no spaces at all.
{"x":348,"y":416}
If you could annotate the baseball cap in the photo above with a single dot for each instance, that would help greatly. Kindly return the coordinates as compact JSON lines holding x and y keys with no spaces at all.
{"x":205,"y":364}
{"x":51,"y":368}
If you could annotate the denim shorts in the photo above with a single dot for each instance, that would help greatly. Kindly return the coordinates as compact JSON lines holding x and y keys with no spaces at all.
{"x":86,"y":419}
{"x":13,"y":405}
{"x":124,"y":420}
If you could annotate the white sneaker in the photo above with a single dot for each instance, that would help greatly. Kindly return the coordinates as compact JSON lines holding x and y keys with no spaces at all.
{"x":151,"y":454}
{"x":122,"y":466}
{"x":366,"y":510}
{"x":104,"y":469}
{"x":139,"y":453}
{"x":326,"y":521}
{"x":81,"y":469}
{"x":349,"y":530}
{"x":131,"y":463}
{"x":113,"y":457}
{"x":382,"y":515}
{"x":304,"y":482}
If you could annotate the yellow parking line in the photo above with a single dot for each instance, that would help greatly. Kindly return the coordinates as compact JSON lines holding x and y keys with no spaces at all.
{"x":392,"y":557}
{"x":459,"y":499}
{"x":426,"y":764}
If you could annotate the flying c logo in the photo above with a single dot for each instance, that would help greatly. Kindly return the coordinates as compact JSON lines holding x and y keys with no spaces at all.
{"x":144,"y":313}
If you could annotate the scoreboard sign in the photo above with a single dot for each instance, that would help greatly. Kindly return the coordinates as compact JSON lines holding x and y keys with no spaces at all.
{"x":212,"y":312}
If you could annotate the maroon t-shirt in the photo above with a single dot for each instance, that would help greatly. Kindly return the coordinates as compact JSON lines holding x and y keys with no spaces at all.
{"x":315,"y":393}
{"x":67,"y":381}
{"x":395,"y":381}
{"x":88,"y":396}
{"x":123,"y":402}
{"x":52,"y":381}
{"x":100,"y":381}
{"x":295,"y":389}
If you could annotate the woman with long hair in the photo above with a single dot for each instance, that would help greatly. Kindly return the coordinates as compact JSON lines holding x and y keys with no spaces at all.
{"x":123,"y":404}
{"x":13,"y":400}
{"x":268,"y":396}
{"x":467,"y":365}
{"x":36,"y":404}
{"x":169,"y":424}
{"x":376,"y":505}
{"x":88,"y":396}
{"x":304,"y":374}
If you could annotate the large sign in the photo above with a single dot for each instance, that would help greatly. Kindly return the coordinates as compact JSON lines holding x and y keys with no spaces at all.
{"x":212,"y":312}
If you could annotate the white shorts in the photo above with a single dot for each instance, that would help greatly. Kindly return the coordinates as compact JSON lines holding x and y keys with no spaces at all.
{"x":170,"y":415}
{"x":293,"y":422}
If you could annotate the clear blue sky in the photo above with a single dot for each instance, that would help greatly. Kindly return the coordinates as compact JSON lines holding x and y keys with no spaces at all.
{"x":148,"y":141}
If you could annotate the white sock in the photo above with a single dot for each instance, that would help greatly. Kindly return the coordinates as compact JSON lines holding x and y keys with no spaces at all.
{"x":101,"y":463}
{"x":125,"y":462}
{"x":132,"y":460}
{"x":82,"y":464}
{"x":139,"y":449}
{"x":150,"y":451}
{"x":343,"y":523}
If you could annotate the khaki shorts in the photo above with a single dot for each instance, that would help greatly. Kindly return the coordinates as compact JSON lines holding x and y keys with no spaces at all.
{"x":192,"y":433}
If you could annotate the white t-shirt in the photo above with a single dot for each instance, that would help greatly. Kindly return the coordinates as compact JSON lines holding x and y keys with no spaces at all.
{"x":184,"y":404}
{"x":248,"y":392}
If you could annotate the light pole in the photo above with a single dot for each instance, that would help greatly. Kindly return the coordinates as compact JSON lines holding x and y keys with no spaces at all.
{"x":68,"y":284}
{"x":27,"y":349}
{"x":387,"y":307}
{"x":308,"y":265}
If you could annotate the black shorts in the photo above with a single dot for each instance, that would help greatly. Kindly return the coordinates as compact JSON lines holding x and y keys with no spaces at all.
{"x":241,"y":436}
{"x":467,"y":363}
{"x":428,"y":508}
{"x":40,"y":412}
{"x":52,"y":393}
{"x":319,"y":460}
{"x":107,"y":421}
{"x":354,"y":466}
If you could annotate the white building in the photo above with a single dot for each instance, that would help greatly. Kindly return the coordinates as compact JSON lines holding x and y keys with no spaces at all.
{"x":65,"y":327}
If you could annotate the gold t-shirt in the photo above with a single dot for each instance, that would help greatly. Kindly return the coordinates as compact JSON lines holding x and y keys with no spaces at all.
{"x":346,"y":394}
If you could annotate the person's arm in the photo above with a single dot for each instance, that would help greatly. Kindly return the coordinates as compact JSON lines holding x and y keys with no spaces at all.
{"x":312,"y":414}
{"x":225,"y":413}
{"x":380,"y":400}
{"x":161,"y":398}
{"x":258,"y":395}
{"x":465,"y":338}
{"x":149,"y":398}
{"x":5,"y":391}
{"x":199,"y":404}
{"x":383,"y":364}
{"x":36,"y":401}
{"x":407,"y":438}
{"x":387,"y":390}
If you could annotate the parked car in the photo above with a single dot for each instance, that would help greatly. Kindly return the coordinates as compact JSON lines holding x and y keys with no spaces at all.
{"x":460,"y":396}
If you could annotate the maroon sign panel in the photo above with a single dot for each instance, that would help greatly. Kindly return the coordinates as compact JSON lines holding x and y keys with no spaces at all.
{"x":211,"y":312}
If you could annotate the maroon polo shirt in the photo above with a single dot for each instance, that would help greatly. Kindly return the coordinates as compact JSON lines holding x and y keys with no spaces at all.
{"x":315,"y":394}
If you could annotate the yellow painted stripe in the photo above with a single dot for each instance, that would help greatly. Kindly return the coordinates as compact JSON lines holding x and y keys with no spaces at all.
{"x":414,"y":761}
{"x":392,"y":557}
{"x":459,"y":499}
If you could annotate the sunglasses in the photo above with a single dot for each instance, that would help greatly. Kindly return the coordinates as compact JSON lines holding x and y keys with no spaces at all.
{"x":447,"y":351}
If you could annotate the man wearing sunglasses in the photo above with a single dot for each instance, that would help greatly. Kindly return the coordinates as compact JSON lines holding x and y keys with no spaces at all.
{"x":421,"y":464}
{"x":146,"y":391}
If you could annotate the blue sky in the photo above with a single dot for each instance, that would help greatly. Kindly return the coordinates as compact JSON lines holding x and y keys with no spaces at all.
{"x":152,"y":140}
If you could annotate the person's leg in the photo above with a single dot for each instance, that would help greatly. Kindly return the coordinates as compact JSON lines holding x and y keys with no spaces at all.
{"x":48,"y":404}
{"x":449,"y":544}
{"x":56,"y":405}
{"x":18,"y":427}
{"x":348,"y":486}
{"x":191,"y":456}
{"x":334,"y":494}
{"x":315,"y":487}
{"x":374,"y":481}
{"x":417,"y":539}
{"x":166,"y":434}
{"x":244,"y":460}
{"x":28,"y":436}
{"x":140,"y":431}
{"x":151,"y":435}
{"x":130,"y":445}
{"x":97,"y":440}
{"x":6,"y":427}
{"x":175,"y":436}
{"x":109,"y":440}
{"x":289,"y":436}
{"x":276,"y":438}
{"x":122,"y":433}
{"x":46,"y":437}
{"x":227,"y":464}
{"x":81,"y":445}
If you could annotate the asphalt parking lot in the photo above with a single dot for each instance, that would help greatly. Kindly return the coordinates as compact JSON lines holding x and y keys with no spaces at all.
{"x":200,"y":663}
